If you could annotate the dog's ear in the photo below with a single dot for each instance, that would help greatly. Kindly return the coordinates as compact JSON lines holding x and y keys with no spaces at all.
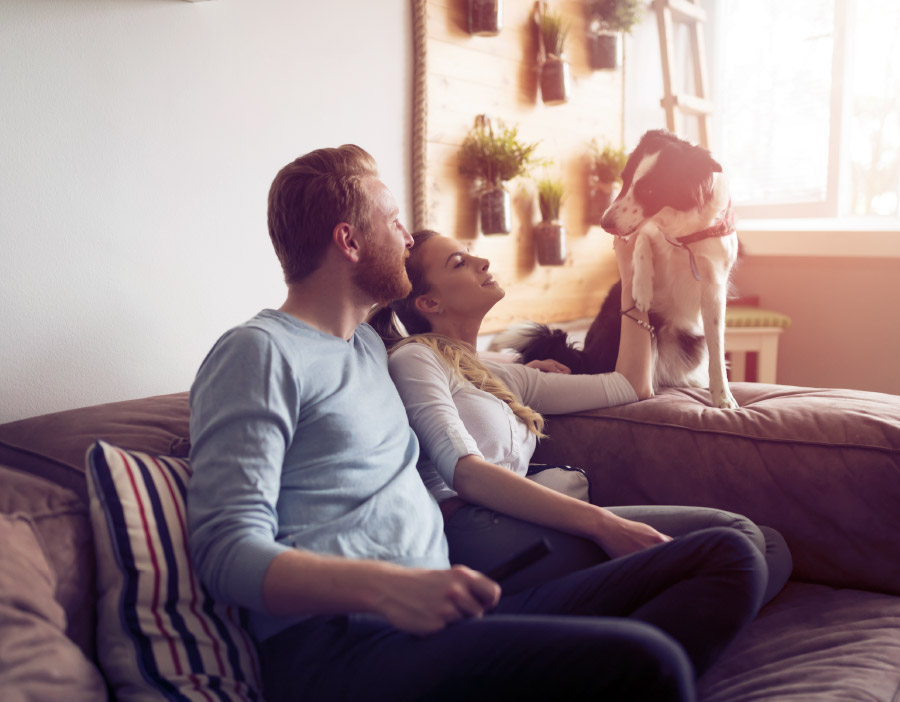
{"x":702,"y":167}
{"x":703,"y":162}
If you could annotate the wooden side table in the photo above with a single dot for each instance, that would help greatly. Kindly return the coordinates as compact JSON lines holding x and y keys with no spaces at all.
{"x":751,"y":329}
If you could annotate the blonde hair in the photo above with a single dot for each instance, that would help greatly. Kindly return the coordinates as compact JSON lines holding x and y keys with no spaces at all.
{"x":466,"y":366}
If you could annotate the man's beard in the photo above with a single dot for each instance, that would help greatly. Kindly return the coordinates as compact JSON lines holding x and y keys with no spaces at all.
{"x":382,"y":277}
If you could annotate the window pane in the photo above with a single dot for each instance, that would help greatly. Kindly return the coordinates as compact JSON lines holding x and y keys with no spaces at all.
{"x":774,"y":98}
{"x":874,"y":120}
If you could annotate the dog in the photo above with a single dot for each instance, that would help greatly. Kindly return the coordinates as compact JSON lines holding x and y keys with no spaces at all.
{"x":675,"y":200}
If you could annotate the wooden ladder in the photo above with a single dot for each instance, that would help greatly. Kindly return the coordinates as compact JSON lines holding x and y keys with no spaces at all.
{"x":690,"y":13}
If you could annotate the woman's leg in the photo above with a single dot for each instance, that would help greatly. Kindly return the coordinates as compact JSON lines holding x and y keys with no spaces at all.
{"x":701,"y":589}
{"x":481,"y":539}
{"x":677,"y":521}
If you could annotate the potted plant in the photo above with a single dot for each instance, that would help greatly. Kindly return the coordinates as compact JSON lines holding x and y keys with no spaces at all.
{"x":607,"y":20}
{"x":550,"y":234}
{"x":555,"y":75}
{"x":485,"y":17}
{"x":605,"y":164}
{"x":491,"y":156}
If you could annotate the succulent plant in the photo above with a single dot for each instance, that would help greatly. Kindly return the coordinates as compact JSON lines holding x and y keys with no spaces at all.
{"x":607,"y":161}
{"x":495,"y":154}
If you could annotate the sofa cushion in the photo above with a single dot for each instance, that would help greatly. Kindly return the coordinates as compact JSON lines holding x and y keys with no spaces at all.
{"x":813,"y":642}
{"x":37,"y":659}
{"x":158,"y":628}
{"x":63,"y":524}
{"x":822,"y":466}
{"x":54,"y":444}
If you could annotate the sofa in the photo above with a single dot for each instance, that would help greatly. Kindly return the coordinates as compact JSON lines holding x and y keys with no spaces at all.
{"x":98,"y":600}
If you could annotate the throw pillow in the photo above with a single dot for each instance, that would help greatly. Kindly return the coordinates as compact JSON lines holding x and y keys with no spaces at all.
{"x":37,"y":660}
{"x":159,"y":631}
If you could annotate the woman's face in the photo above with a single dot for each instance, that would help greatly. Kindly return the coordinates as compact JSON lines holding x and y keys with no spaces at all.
{"x":459,"y":282}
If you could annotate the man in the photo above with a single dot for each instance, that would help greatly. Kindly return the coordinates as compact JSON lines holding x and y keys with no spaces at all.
{"x":306,"y":507}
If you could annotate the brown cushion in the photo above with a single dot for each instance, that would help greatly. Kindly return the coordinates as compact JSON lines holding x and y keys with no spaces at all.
{"x":813,"y":642}
{"x":53,"y":444}
{"x":37,"y":660}
{"x":63,"y":523}
{"x":819,"y":465}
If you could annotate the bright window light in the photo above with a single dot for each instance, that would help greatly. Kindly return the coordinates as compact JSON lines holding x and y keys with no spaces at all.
{"x":807,"y":102}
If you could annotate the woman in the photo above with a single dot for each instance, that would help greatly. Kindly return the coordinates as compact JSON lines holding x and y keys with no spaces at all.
{"x":478,"y":424}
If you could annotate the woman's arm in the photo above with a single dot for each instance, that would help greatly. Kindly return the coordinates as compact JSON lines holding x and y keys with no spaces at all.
{"x":424,"y":385}
{"x":634,"y":359}
{"x":497,"y":488}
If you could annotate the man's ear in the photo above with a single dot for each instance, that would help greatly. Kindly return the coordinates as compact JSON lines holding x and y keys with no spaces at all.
{"x":348,"y":241}
{"x":427,"y":306}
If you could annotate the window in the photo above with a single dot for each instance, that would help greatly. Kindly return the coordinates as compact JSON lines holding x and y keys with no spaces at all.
{"x":807,"y":103}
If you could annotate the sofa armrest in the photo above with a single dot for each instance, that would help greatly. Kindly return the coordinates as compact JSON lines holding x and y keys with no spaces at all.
{"x":822,"y":466}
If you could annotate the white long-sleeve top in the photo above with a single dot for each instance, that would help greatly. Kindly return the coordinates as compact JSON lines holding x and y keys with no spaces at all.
{"x":453,"y":418}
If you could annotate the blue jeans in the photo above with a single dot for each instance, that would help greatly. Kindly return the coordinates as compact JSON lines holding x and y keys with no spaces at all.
{"x":635,"y":628}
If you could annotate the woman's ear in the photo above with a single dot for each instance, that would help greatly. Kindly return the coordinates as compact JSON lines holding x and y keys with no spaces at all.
{"x":346,"y":238}
{"x":428,"y":306}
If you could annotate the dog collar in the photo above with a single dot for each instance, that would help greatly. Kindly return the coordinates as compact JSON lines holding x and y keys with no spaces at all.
{"x":724,"y":226}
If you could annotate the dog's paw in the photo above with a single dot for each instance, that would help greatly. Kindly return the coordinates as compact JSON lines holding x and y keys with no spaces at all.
{"x":642,"y":292}
{"x":724,"y":399}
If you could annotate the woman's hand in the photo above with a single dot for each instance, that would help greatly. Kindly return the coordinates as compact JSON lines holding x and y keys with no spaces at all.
{"x":549,"y":366}
{"x":620,"y":536}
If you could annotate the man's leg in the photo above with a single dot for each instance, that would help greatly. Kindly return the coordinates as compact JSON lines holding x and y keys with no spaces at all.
{"x":701,"y":589}
{"x":494,"y":658}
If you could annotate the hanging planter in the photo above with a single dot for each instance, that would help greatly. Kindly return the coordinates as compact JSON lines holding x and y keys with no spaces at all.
{"x":605,"y":164}
{"x":600,"y":196}
{"x":607,"y":21}
{"x":485,"y":17}
{"x":491,"y":156}
{"x":604,"y":50}
{"x":555,"y":81}
{"x":495,"y":210}
{"x":549,"y":233}
{"x":555,"y":74}
{"x":550,"y":243}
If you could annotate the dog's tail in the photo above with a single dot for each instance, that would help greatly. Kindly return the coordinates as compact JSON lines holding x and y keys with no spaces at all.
{"x":538,"y":342}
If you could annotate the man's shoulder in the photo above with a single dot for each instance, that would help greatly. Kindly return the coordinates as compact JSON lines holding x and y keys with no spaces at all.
{"x":259,"y":331}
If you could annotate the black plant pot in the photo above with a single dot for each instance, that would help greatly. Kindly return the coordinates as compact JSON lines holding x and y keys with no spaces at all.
{"x":485,"y":17}
{"x":605,"y":50}
{"x":550,"y":243}
{"x":495,"y":211}
{"x":600,"y":196}
{"x":555,"y":81}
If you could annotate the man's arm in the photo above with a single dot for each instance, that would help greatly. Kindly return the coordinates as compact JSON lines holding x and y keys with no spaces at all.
{"x":415,"y":600}
{"x":243,"y":415}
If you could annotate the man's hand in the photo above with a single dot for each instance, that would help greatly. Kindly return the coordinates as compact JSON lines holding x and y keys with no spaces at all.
{"x":549,"y":366}
{"x":423,"y":602}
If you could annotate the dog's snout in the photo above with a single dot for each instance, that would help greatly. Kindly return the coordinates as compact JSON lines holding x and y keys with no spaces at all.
{"x":608,"y":222}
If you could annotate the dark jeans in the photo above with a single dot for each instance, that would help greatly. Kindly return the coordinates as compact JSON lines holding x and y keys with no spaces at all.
{"x":632,"y":629}
{"x":481,"y":538}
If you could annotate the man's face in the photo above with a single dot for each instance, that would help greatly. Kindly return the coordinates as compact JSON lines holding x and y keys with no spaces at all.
{"x":382,"y":268}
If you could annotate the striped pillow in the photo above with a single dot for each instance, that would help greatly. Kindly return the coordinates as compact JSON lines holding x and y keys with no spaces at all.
{"x":159,"y":631}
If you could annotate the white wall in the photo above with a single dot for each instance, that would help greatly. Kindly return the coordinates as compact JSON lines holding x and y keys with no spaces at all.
{"x":138,"y":139}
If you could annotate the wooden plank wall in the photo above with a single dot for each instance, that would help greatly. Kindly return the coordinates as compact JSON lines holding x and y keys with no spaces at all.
{"x":469,"y":75}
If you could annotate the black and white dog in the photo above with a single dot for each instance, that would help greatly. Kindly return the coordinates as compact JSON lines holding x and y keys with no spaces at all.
{"x":676,"y":201}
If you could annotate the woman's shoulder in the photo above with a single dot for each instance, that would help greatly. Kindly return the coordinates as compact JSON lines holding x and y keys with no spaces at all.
{"x":413,"y":353}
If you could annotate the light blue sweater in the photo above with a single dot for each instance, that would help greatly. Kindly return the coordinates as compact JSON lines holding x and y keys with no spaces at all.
{"x":299,"y":439}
